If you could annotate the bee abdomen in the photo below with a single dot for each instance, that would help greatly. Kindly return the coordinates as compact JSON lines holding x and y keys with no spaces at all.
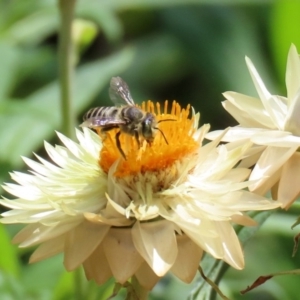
{"x":100,"y":112}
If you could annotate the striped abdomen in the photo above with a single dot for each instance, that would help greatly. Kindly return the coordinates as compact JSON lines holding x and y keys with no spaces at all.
{"x":101,"y":112}
{"x":106,"y":117}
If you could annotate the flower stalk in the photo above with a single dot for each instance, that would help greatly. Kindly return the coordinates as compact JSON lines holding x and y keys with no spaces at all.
{"x":212,"y":284}
{"x":141,"y":292}
{"x":78,"y":284}
{"x":66,"y":63}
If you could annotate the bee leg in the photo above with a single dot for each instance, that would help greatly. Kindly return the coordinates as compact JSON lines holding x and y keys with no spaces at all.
{"x":162,"y":133}
{"x":136,"y":135}
{"x":103,"y":133}
{"x":119,"y":144}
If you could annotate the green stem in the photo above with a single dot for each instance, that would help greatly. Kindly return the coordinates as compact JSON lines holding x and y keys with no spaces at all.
{"x":212,"y":284}
{"x":78,"y":284}
{"x":141,"y":293}
{"x":66,"y":64}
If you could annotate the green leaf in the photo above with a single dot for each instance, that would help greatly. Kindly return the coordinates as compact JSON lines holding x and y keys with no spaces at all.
{"x":9,"y":59}
{"x":159,"y":59}
{"x":284,"y":24}
{"x":65,"y":287}
{"x":36,"y":67}
{"x":133,"y":4}
{"x":33,"y":28}
{"x":9,"y":261}
{"x":106,"y":18}
{"x":45,"y":272}
{"x":11,"y":288}
{"x":16,"y":128}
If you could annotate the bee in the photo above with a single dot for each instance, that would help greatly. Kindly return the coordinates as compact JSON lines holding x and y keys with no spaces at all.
{"x":124,"y":115}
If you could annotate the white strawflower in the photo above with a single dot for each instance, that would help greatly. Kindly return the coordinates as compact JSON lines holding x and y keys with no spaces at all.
{"x":156,"y":211}
{"x":272,"y":123}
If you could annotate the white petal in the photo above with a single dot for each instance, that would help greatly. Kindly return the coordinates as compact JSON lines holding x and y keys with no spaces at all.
{"x":182,"y":216}
{"x":39,"y":168}
{"x":243,"y":220}
{"x":277,"y":111}
{"x":50,"y":168}
{"x":233,"y":253}
{"x":156,"y":242}
{"x":249,"y":201}
{"x":263,"y":93}
{"x":209,"y":147}
{"x":292,"y":76}
{"x":270,"y":161}
{"x":270,"y":103}
{"x":28,"y":192}
{"x":217,"y":164}
{"x":146,"y":277}
{"x":241,"y":117}
{"x":118,"y":208}
{"x":292,"y":122}
{"x":276,"y":138}
{"x":203,"y":234}
{"x":251,"y":156}
{"x":76,"y":150}
{"x":90,"y":141}
{"x":23,"y":204}
{"x":271,"y":184}
{"x":237,"y":175}
{"x":24,"y":233}
{"x":48,"y":249}
{"x":118,"y":220}
{"x":201,"y":132}
{"x":235,"y":134}
{"x":116,"y":192}
{"x":58,"y":157}
{"x":289,"y":186}
{"x":81,"y":242}
{"x":123,"y":258}
{"x":188,"y":258}
{"x":252,"y":111}
{"x":37,"y":233}
{"x":96,"y":267}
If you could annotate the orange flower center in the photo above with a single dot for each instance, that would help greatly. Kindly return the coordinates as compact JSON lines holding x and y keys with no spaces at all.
{"x":155,"y":156}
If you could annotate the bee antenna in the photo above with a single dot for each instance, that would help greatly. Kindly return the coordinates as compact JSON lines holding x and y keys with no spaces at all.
{"x":162,"y":133}
{"x":166,"y":120}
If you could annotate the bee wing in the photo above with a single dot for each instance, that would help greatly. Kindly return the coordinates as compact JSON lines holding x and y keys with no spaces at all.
{"x":95,"y":122}
{"x":119,"y":92}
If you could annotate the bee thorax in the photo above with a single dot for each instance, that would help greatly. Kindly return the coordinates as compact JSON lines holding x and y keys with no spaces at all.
{"x":132,"y":114}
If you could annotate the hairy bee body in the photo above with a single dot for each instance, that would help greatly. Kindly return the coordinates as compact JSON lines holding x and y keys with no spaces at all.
{"x":128,"y":118}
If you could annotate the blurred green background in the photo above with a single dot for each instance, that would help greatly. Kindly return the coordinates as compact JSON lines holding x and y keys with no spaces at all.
{"x":187,"y":50}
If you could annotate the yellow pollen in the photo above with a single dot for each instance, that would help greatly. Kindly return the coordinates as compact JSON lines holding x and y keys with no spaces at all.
{"x":155,"y":156}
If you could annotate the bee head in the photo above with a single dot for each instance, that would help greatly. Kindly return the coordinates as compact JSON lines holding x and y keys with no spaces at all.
{"x":148,"y":126}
